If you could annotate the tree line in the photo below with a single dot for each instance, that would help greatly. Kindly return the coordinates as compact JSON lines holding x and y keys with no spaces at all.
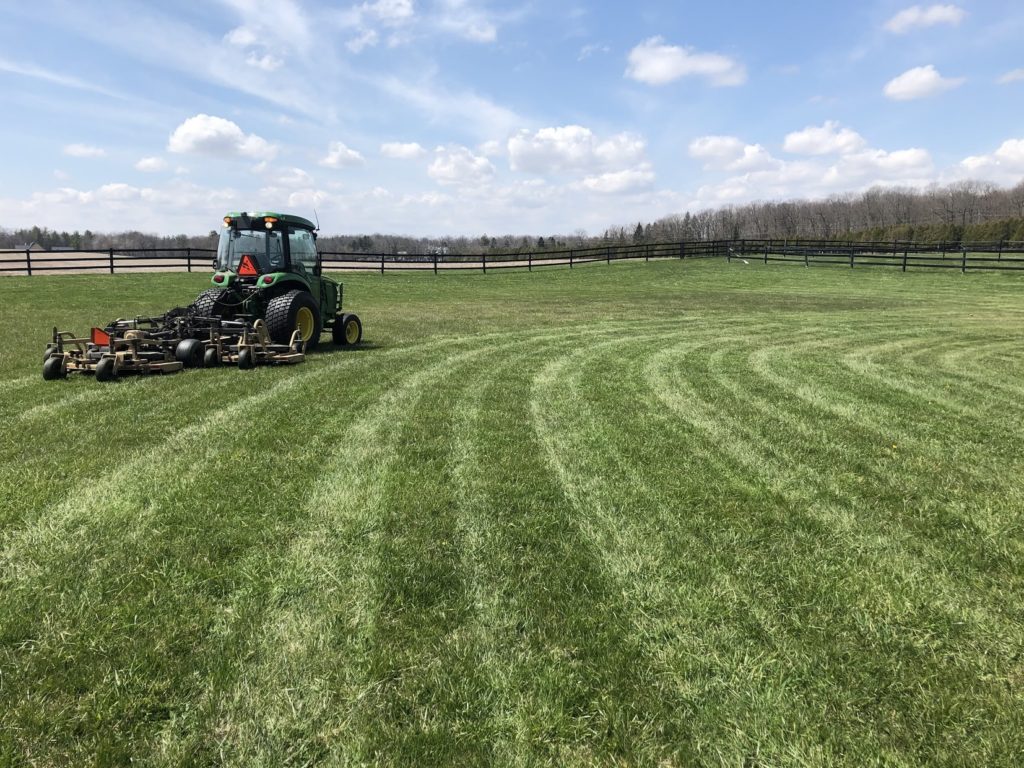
{"x":962,"y":212}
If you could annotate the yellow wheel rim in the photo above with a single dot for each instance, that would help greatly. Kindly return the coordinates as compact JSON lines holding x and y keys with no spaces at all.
{"x":304,"y":323}
{"x":351,"y":331}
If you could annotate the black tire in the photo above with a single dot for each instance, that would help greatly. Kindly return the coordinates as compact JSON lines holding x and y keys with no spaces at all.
{"x":53,"y":368}
{"x":283,"y":314}
{"x":105,"y":369}
{"x":207,"y":303}
{"x":210,"y":358}
{"x":50,"y":350}
{"x":347,"y":331}
{"x":189,"y":353}
{"x":246,"y":359}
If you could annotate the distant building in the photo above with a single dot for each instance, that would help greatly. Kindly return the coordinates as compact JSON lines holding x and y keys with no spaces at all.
{"x":29,"y":247}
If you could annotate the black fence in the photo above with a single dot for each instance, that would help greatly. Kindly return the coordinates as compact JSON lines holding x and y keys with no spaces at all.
{"x":119,"y":260}
{"x":902,"y":255}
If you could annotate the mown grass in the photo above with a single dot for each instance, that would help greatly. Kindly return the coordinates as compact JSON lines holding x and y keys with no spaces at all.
{"x":646,"y":514}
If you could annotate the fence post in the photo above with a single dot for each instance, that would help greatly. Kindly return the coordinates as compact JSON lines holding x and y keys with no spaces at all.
{"x":807,"y":258}
{"x":111,"y":260}
{"x":435,"y":262}
{"x":682,"y":250}
{"x":483,"y":260}
{"x":382,"y":263}
{"x":906,"y":250}
{"x":851,"y":257}
{"x":188,"y":259}
{"x":647,"y":252}
{"x":529,"y":262}
{"x":999,"y":254}
{"x":608,"y":254}
{"x":28,"y":261}
{"x":963,"y":261}
{"x":766,"y":254}
{"x":570,"y":258}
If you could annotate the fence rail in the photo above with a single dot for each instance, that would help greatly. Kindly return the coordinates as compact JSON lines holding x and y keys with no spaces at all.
{"x":903,"y":255}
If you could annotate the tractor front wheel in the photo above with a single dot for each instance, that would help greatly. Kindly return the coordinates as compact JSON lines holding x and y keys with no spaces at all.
{"x":294,"y":311}
{"x":347,"y":331}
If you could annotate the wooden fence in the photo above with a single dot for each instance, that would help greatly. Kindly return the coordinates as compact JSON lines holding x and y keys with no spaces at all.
{"x":902,"y":255}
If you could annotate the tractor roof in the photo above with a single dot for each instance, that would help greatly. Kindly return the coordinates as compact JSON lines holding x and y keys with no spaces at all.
{"x":287,"y":218}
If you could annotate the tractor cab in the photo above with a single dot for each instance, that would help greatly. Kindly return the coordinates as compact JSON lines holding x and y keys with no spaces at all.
{"x":273,"y":242}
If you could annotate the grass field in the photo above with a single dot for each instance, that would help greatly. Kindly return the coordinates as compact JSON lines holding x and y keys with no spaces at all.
{"x":648,"y":514}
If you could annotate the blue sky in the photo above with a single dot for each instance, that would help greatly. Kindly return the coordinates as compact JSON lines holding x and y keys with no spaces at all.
{"x":431,"y":117}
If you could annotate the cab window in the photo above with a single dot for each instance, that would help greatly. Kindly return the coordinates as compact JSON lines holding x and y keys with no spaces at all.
{"x":303,"y":249}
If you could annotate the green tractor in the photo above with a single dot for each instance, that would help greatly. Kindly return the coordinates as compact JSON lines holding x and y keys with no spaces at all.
{"x":267,"y":268}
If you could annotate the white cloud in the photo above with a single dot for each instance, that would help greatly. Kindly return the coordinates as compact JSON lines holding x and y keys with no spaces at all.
{"x":716,"y":149}
{"x":461,"y":18}
{"x":367,"y":39}
{"x":458,"y":165}
{"x":151,"y":164}
{"x":825,"y":139}
{"x":572,"y":148}
{"x":207,"y":134}
{"x":243,"y":37}
{"x":919,"y":83}
{"x":1013,"y":76}
{"x":616,"y":182}
{"x":491,"y":148}
{"x":1005,"y":165}
{"x":916,"y":17}
{"x":731,"y":154}
{"x":340,"y":156}
{"x":655,"y":63}
{"x":83,"y":150}
{"x":906,"y":165}
{"x":266,"y":62}
{"x":589,"y":50}
{"x":402,"y":151}
{"x":389,"y":12}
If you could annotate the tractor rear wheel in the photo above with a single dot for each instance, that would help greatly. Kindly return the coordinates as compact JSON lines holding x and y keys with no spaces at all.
{"x":294,"y":311}
{"x":205,"y":304}
{"x":347,"y":330}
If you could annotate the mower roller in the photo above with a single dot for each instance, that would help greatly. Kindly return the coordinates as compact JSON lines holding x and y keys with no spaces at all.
{"x":269,"y":302}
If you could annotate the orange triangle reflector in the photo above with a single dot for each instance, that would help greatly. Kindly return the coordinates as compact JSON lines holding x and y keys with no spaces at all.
{"x":99,"y":337}
{"x":246,"y":267}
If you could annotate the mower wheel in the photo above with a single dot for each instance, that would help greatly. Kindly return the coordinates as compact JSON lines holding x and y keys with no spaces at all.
{"x":50,"y":350}
{"x":53,"y":368}
{"x":347,"y":330}
{"x":295,"y":310}
{"x":205,"y":304}
{"x":210,"y":358}
{"x":246,"y":358}
{"x":105,"y":369}
{"x":189,"y":353}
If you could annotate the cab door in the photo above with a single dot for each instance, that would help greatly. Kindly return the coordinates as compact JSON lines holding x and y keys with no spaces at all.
{"x":302,"y":249}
